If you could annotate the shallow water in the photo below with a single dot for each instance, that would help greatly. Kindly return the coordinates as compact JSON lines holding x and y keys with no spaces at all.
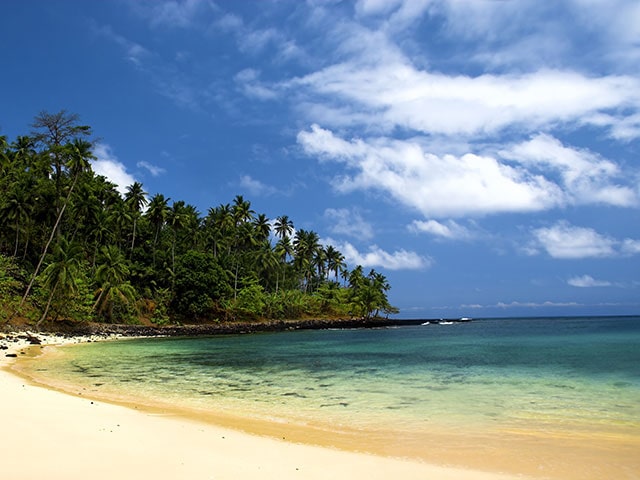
{"x":549,"y":378}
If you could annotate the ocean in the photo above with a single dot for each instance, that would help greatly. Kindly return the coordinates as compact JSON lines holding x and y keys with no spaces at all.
{"x":540,"y":396}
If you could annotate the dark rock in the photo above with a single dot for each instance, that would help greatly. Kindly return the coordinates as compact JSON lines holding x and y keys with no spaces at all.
{"x":11,"y":355}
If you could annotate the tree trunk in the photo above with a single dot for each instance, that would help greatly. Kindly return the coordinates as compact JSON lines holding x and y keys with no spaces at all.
{"x":46,"y":310}
{"x":15,"y":250}
{"x":46,"y":249}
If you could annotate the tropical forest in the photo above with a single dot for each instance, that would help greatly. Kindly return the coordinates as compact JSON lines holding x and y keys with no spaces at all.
{"x":73,"y":249}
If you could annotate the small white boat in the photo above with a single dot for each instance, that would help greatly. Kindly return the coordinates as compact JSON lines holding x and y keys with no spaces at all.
{"x":426,"y":323}
{"x":445,"y":323}
{"x":465,"y":319}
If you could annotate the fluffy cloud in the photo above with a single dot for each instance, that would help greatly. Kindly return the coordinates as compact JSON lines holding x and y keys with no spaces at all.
{"x":434,"y":185}
{"x":154,"y":170}
{"x":586,"y":281}
{"x":586,"y":177}
{"x":248,"y":82}
{"x":376,"y":257}
{"x":535,"y":175}
{"x":449,"y":229}
{"x":570,"y":242}
{"x":397,"y":95}
{"x":107,"y":165}
{"x":256,"y":187}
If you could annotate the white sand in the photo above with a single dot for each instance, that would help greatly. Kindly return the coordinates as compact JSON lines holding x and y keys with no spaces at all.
{"x":47,"y":434}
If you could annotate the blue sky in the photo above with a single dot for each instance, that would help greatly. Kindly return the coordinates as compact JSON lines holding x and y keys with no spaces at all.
{"x":482,"y":154}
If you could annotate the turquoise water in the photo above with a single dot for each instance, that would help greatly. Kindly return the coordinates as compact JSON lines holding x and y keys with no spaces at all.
{"x":551,"y":374}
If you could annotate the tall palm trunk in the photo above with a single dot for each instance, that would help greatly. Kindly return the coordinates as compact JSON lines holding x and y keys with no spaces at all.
{"x":44,"y":252}
{"x":46,"y":310}
{"x":15,"y":250}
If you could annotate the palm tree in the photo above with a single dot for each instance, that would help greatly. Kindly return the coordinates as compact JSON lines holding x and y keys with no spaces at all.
{"x":192,"y":224}
{"x":306,"y":244}
{"x":283,"y":227}
{"x":283,"y":248}
{"x":266,"y":261}
{"x":62,"y":273}
{"x":111,"y":275}
{"x":335,"y":260}
{"x":78,"y":154}
{"x":241,"y":210}
{"x":157,"y":213}
{"x":177,"y":218}
{"x":135,"y":198}
{"x":261,"y":227}
{"x":100,"y":232}
{"x":16,"y":210}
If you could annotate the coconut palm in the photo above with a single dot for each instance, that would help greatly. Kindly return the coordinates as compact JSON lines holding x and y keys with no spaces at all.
{"x":78,"y":154}
{"x":335,"y":260}
{"x":306,"y":245}
{"x":261,"y":226}
{"x":16,"y":212}
{"x":135,"y":198}
{"x":241,"y":210}
{"x":111,"y":276}
{"x":283,"y":227}
{"x":157,"y":214}
{"x":61,"y":275}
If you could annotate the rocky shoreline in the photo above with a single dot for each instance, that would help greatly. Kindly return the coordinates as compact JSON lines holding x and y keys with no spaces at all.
{"x":13,"y":341}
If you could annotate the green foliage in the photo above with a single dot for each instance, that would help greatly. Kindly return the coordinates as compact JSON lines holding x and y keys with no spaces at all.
{"x":71,"y":247}
{"x":200,"y":282}
{"x":10,"y":286}
{"x":249,"y":303}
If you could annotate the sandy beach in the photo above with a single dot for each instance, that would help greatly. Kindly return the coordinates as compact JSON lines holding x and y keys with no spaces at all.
{"x":48,"y":434}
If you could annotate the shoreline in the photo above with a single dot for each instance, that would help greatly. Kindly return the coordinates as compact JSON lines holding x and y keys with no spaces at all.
{"x":469,"y":455}
{"x":47,"y":431}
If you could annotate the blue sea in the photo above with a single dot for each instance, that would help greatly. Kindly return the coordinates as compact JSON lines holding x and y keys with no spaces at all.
{"x":492,"y":387}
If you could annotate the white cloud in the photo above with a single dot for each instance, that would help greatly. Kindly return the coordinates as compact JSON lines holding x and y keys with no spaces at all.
{"x":434,"y":185}
{"x":377,"y":257}
{"x":586,"y":281}
{"x":133,"y":51}
{"x":376,"y":7}
{"x":398,"y":95}
{"x":174,"y":13}
{"x":449,"y":229}
{"x":110,"y":167}
{"x":569,"y":242}
{"x":630,"y":246}
{"x":586,"y":177}
{"x":248,"y":80}
{"x":154,"y":170}
{"x":348,"y":222}
{"x":536,"y":304}
{"x":617,"y":25}
{"x":256,"y":187}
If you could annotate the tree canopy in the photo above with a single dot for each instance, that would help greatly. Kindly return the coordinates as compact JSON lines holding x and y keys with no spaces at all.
{"x":71,"y":247}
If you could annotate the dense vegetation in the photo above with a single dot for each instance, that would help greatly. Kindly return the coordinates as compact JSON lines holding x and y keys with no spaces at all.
{"x":73,"y":248}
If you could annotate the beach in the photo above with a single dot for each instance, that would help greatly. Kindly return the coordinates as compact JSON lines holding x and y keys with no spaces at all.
{"x":112,"y":416}
{"x":49,"y":434}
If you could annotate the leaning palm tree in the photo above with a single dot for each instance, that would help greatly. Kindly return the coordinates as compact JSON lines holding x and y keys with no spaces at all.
{"x":61,"y":275}
{"x":77,"y":154}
